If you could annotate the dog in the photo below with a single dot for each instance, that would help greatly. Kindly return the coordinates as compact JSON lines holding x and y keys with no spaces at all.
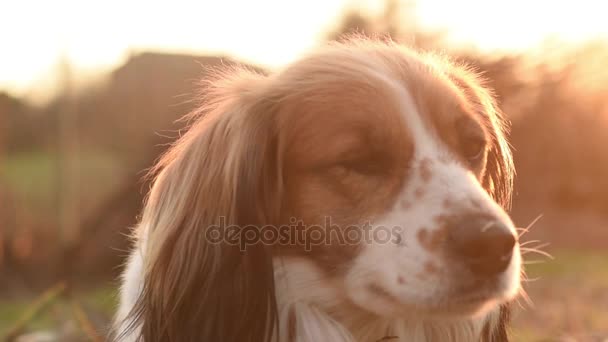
{"x":401,"y":155}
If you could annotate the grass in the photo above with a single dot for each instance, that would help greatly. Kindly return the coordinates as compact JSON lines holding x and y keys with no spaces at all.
{"x":98,"y":304}
{"x":573,"y":264}
{"x":570,"y":298}
{"x":31,"y":175}
{"x":32,"y":179}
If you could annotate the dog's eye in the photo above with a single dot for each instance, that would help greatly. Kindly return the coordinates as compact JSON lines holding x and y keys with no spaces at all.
{"x":349,"y":167}
{"x":474,"y":149}
{"x":473,"y":141}
{"x":361,"y":167}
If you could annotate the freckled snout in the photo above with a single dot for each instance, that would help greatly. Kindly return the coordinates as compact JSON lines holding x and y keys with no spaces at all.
{"x":483,"y":243}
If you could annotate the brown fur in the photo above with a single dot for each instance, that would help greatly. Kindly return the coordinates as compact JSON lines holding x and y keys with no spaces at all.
{"x":187,"y":279}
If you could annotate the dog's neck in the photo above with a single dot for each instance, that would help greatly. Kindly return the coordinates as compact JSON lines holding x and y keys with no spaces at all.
{"x":311,"y":310}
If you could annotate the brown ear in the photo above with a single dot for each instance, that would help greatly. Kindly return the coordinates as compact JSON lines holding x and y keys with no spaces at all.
{"x":224,"y":171}
{"x":499,"y":173}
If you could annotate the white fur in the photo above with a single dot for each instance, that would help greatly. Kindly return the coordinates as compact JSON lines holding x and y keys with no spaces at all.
{"x":323,"y":314}
{"x":132,"y":282}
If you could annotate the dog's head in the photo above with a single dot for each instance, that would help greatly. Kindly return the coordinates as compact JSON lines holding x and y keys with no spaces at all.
{"x":400,"y":155}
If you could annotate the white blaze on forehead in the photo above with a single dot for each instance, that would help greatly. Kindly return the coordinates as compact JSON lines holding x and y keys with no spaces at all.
{"x":425,"y":144}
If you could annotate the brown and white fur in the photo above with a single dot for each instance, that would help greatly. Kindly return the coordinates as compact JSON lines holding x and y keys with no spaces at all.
{"x":359,"y":132}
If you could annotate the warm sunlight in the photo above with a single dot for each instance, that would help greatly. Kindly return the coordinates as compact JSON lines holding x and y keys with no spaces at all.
{"x":94,"y":35}
{"x":446,"y":186}
{"x":516,"y":24}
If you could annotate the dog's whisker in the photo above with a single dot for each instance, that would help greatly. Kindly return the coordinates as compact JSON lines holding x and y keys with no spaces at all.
{"x":539,"y":246}
{"x":487,"y":226}
{"x":534,"y":262}
{"x":526,"y":297}
{"x":519,"y":300}
{"x":528,"y":242}
{"x":529,"y":226}
{"x":521,"y":306}
{"x":543,"y":245}
{"x":528,"y":248}
{"x":536,"y":251}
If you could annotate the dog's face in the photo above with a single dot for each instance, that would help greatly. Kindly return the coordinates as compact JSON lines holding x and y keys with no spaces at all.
{"x":404,"y":155}
{"x":399,"y":157}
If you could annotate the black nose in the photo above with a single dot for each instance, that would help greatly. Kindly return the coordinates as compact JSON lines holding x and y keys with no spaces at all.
{"x":485,"y":245}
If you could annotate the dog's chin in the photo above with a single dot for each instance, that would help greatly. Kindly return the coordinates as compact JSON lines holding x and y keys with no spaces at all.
{"x":468,"y":307}
{"x":453,"y":306}
{"x":475,"y":298}
{"x":459,"y":298}
{"x":445,"y":311}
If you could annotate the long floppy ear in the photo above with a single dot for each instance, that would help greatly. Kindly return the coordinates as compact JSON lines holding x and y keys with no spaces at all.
{"x":224,"y":172}
{"x":500,"y":171}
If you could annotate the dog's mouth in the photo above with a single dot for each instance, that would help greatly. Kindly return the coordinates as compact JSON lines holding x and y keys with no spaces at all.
{"x":456,"y":304}
{"x":472,"y":300}
{"x":479,"y":298}
{"x":461,"y":295}
{"x":469,"y":306}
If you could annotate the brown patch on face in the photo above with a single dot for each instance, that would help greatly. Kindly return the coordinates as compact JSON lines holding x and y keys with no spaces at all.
{"x":448,"y":204}
{"x":422,"y":235}
{"x":433,"y":240}
{"x":426,"y":172}
{"x":497,"y":172}
{"x":447,"y":111}
{"x":405,"y":204}
{"x":346,"y":154}
{"x":476,"y":204}
{"x":442,"y":219}
{"x":418,"y":193}
{"x":401,"y":280}
{"x":430,"y":267}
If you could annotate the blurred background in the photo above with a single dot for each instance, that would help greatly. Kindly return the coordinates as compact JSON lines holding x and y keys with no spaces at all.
{"x":90,"y":92}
